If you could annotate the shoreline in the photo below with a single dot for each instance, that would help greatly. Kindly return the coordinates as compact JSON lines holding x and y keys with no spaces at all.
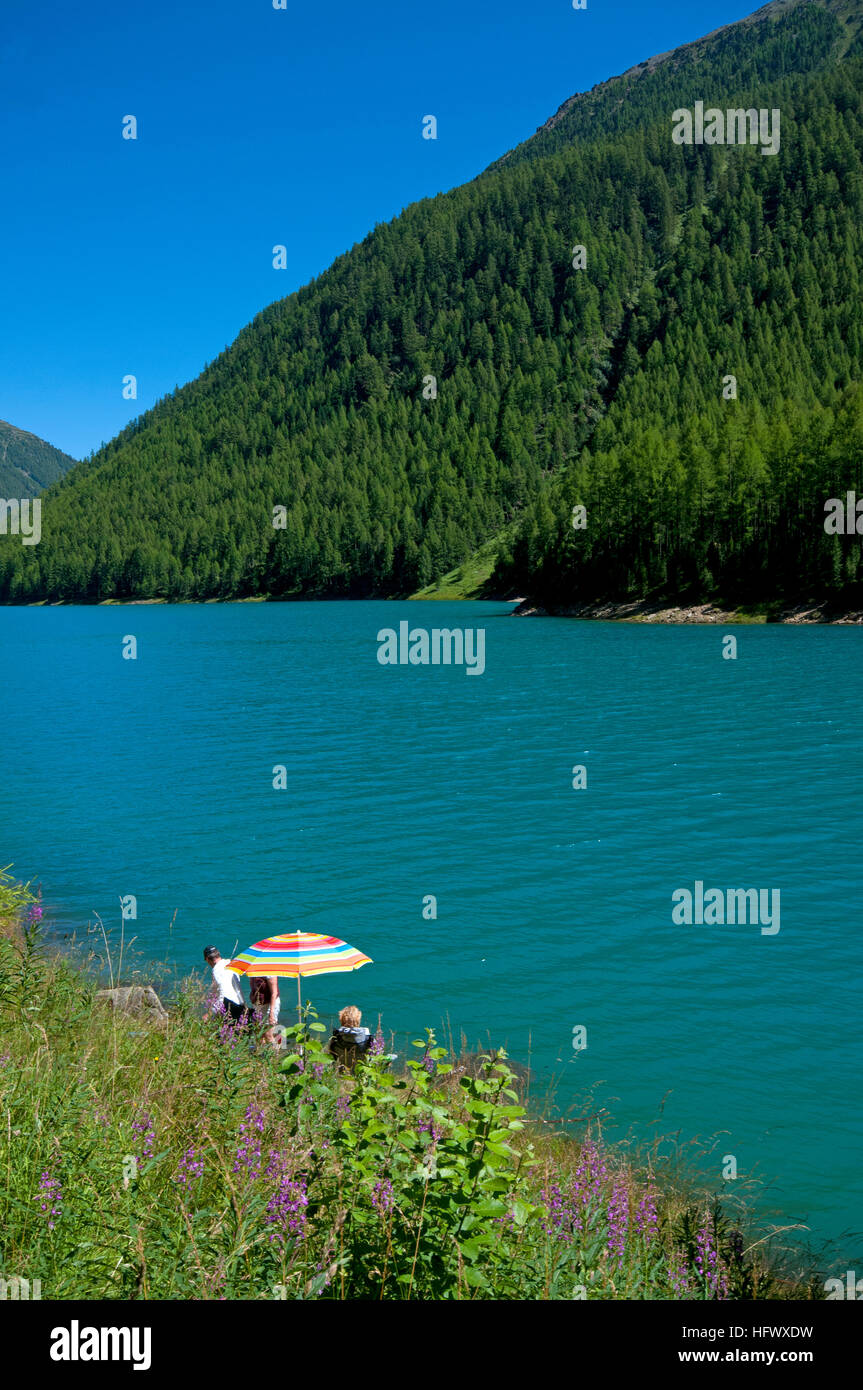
{"x":653,"y":611}
{"x":666,"y":611}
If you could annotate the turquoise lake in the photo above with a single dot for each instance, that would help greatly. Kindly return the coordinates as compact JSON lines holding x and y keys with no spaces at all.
{"x":154,"y":777}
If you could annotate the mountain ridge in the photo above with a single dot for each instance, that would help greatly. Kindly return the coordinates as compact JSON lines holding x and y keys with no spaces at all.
{"x":848,"y":13}
{"x":28,"y":464}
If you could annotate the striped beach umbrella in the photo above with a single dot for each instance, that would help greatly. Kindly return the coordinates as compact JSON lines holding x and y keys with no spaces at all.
{"x":298,"y":953}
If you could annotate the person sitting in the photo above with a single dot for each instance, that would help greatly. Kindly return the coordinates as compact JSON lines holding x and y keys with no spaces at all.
{"x":349,"y":1042}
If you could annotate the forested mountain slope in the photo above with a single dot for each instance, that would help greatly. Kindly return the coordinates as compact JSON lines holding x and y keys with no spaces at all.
{"x":27,"y":463}
{"x":686,"y":491}
{"x":553,"y":386}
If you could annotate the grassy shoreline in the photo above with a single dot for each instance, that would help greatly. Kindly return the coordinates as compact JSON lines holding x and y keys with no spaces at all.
{"x":177,"y":1161}
{"x":470,"y":584}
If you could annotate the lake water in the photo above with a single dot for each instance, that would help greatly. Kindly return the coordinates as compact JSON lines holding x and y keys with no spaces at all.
{"x":155,"y":777}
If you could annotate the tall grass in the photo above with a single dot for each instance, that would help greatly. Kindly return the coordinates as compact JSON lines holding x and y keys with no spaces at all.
{"x":190,"y":1161}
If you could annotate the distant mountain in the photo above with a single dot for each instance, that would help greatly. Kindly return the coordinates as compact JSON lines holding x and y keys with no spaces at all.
{"x":27,"y":463}
{"x":689,"y":383}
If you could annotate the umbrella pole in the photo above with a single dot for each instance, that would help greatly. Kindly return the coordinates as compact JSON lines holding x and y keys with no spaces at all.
{"x":299,"y":1011}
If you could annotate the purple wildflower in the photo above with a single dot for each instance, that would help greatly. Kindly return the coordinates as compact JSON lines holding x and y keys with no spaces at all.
{"x":248,"y":1158}
{"x":707,"y":1262}
{"x":430,"y":1065}
{"x":318,"y":1070}
{"x":228,"y":1033}
{"x":188,"y":1169}
{"x":35,"y":913}
{"x":618,"y":1221}
{"x":376,"y":1046}
{"x":427,"y":1125}
{"x":678,"y":1275}
{"x":277,"y":1164}
{"x":343,"y":1108}
{"x":562,"y":1221}
{"x":286,"y":1210}
{"x":51,"y":1194}
{"x":646,"y":1221}
{"x":382,"y":1196}
{"x":143,"y":1128}
{"x":569,"y":1208}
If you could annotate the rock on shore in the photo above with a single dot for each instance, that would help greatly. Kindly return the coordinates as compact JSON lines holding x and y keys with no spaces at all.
{"x":141,"y":1001}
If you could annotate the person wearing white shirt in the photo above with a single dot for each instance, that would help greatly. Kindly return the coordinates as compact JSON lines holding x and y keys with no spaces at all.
{"x":227,"y":983}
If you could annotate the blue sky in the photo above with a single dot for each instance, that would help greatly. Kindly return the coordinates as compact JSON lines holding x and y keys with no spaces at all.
{"x":255,"y":127}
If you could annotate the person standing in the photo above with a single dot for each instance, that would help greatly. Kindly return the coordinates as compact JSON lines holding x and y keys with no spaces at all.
{"x":227,"y":983}
{"x":264,"y":994}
